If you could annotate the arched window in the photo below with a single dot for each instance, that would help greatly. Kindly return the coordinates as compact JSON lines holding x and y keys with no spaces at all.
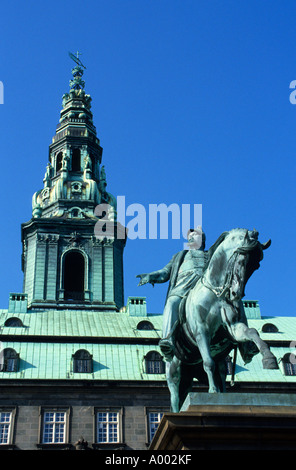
{"x":59,"y":161}
{"x":289,"y":363}
{"x":14,"y":322}
{"x":74,"y":272}
{"x":76,"y":160}
{"x":269,"y":328}
{"x":154,"y":363}
{"x":93,"y":162}
{"x":9,"y":360}
{"x":145,"y":325}
{"x":82,"y":361}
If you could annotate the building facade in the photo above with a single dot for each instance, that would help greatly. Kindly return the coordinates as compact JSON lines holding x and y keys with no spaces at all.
{"x":81,"y":367}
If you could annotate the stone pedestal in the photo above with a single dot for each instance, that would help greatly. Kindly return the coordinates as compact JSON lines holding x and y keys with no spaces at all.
{"x":230,"y":421}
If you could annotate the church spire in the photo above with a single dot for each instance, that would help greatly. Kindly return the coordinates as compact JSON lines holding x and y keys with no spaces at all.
{"x":73,"y":185}
{"x":65,"y":264}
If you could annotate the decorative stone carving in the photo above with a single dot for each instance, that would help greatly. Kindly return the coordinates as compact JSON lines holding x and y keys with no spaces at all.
{"x":75,"y":239}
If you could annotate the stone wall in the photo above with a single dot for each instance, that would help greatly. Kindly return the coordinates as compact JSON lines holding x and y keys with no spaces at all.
{"x":81,"y":403}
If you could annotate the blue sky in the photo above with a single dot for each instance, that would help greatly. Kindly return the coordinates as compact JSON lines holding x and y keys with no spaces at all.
{"x":191,"y":104}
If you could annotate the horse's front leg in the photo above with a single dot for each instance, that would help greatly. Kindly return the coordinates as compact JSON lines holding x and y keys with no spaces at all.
{"x":241,"y":333}
{"x":173,"y":375}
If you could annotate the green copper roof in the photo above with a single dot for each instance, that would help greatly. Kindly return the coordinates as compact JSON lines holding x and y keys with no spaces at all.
{"x":81,"y":323}
{"x":54,"y":361}
{"x":48,"y":339}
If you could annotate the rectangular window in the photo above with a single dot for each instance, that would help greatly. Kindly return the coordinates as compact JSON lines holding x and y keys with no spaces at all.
{"x":154,"y":363}
{"x":154,"y":418}
{"x":83,"y":365}
{"x":11,"y":365}
{"x":108,"y":426}
{"x":290,"y":368}
{"x":154,"y":367}
{"x":54,"y":427}
{"x":5,"y":427}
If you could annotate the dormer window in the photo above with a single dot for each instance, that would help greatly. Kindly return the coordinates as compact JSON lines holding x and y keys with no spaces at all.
{"x":13,"y":322}
{"x":154,"y":363}
{"x":289,"y":363}
{"x":145,"y":325}
{"x":269,"y":328}
{"x":9,"y":360}
{"x":82,"y":361}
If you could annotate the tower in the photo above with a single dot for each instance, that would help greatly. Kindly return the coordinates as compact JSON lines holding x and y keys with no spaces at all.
{"x":65,"y":262}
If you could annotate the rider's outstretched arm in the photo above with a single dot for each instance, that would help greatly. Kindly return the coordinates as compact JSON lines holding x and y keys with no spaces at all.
{"x":157,"y":277}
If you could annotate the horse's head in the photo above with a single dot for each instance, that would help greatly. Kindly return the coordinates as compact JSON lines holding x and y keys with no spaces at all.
{"x":238,"y":239}
{"x":238,"y":250}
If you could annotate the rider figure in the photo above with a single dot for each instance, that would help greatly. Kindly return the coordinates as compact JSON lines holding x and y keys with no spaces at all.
{"x":183,"y":271}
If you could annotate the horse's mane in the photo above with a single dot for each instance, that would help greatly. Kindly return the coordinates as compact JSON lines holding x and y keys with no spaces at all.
{"x":216,"y":244}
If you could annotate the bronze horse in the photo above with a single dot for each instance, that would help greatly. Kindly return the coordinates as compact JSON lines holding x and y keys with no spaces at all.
{"x":213,"y":322}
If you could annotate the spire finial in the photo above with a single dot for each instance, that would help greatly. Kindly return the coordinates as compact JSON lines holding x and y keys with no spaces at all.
{"x":77,"y":83}
{"x":76,"y":59}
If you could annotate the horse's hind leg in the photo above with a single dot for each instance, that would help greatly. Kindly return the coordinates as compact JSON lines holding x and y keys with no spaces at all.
{"x":173,"y":374}
{"x":186,"y":382}
{"x":241,"y":332}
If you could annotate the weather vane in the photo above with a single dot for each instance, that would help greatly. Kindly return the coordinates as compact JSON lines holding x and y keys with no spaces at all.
{"x":77,"y":83}
{"x":76,"y":59}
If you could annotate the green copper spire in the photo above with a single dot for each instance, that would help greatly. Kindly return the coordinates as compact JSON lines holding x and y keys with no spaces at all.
{"x":74,"y":182}
{"x":64,"y":262}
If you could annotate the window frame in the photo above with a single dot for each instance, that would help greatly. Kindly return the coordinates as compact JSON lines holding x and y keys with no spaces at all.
{"x":58,"y":161}
{"x":17,"y":323}
{"x":54,"y":409}
{"x":148,"y":412}
{"x":62,"y":291}
{"x":107,"y":444}
{"x":74,"y":258}
{"x":76,"y":160}
{"x":288,"y":365}
{"x":145,"y":325}
{"x":6,"y":358}
{"x":11,"y":432}
{"x":151,"y":363}
{"x":269,"y":328}
{"x":87,"y":360}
